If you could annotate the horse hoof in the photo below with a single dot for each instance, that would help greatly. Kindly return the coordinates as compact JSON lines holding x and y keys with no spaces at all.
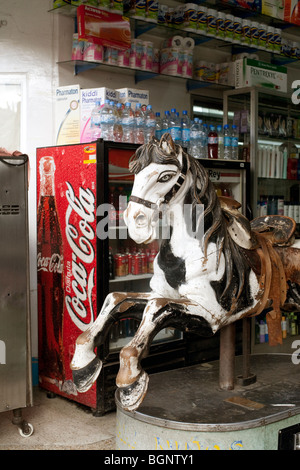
{"x":85,"y":377}
{"x":132,"y":396}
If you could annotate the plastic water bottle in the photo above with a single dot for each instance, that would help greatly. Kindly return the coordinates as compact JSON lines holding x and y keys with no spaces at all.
{"x":194,"y":147}
{"x":158,"y":126}
{"x":179,"y":141}
{"x":227,"y":143}
{"x":212,"y":143}
{"x":166,"y":122}
{"x":139,"y":121}
{"x":128,"y":123}
{"x":234,"y":143}
{"x":220,"y":142}
{"x":175,"y":127}
{"x":149,"y":131}
{"x":95,"y":123}
{"x":205,"y":140}
{"x":106,"y":121}
{"x":112,"y":112}
{"x":118,"y":129}
{"x":202,"y":141}
{"x":185,"y":129}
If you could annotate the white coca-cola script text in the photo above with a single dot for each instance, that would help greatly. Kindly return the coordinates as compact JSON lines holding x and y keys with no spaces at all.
{"x":79,"y":304}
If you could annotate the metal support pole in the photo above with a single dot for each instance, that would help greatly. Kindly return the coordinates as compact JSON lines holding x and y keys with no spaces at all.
{"x":227,"y":357}
{"x":247,"y":377}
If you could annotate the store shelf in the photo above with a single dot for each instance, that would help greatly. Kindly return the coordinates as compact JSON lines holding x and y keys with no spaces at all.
{"x":131,"y":277}
{"x":81,"y":66}
{"x":140,"y":26}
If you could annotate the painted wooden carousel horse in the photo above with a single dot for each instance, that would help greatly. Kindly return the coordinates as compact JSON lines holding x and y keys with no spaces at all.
{"x":222,"y":270}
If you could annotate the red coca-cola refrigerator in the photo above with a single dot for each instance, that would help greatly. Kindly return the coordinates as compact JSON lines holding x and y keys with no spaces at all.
{"x":83,"y":253}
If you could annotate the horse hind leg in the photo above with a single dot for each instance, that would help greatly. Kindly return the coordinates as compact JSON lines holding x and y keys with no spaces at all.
{"x":132,"y":380}
{"x":85,"y":365}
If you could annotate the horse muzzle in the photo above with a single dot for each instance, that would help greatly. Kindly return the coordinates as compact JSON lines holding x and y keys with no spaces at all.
{"x":141,"y":223}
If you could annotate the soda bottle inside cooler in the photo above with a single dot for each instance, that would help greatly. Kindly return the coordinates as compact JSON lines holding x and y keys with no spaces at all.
{"x":118,"y":129}
{"x":49,"y":277}
{"x":185,"y":129}
{"x":212,"y":143}
{"x":149,"y":131}
{"x":95,"y":123}
{"x":227,"y":142}
{"x":139,"y":119}
{"x":111,"y":262}
{"x":158,"y":126}
{"x":234,"y":143}
{"x":128,"y":123}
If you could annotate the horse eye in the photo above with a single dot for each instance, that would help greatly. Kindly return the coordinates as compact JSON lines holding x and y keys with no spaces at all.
{"x":165,"y":177}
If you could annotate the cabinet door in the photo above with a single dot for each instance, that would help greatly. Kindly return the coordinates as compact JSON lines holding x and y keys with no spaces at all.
{"x":270,"y":134}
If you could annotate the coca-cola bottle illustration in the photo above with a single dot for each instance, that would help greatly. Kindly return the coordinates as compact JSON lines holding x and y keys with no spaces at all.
{"x":50,"y":277}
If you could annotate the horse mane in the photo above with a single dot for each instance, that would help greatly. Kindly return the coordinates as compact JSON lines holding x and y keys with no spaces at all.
{"x":153,"y":152}
{"x":232,"y":291}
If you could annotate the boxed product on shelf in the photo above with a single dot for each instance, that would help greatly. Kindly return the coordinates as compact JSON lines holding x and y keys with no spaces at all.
{"x":247,"y":4}
{"x":103,"y":27}
{"x":88,"y":98}
{"x":251,"y":72}
{"x":273,"y":9}
{"x":67,"y":115}
{"x":206,"y":71}
{"x":291,"y":11}
{"x":133,"y":96}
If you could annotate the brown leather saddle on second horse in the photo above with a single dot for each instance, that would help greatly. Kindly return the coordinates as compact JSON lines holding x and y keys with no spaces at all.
{"x":260,"y":241}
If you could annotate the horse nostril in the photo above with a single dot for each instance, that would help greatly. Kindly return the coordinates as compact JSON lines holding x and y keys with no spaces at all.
{"x":141,"y":220}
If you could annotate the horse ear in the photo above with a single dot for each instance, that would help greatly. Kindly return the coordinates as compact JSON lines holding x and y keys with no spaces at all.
{"x":167,"y":144}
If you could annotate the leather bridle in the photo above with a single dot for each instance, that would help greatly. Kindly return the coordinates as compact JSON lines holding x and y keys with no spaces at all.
{"x":170,"y":194}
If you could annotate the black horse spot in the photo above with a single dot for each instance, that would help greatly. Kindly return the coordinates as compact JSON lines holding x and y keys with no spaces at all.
{"x":172,"y":266}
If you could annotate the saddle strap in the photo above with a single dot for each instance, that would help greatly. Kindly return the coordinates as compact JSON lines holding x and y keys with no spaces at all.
{"x":272,"y":288}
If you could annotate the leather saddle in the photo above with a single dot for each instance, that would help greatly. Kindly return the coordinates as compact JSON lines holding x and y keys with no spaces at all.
{"x":278,"y":229}
{"x":258,"y":240}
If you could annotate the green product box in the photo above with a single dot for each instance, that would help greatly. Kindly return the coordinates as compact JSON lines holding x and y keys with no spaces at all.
{"x":251,"y":72}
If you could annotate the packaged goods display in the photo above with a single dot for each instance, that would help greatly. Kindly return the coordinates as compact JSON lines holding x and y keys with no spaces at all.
{"x":89,"y":98}
{"x":189,"y":17}
{"x":290,"y":326}
{"x":103,"y":27}
{"x":214,"y":141}
{"x":250,"y":72}
{"x":67,"y":114}
{"x":279,"y":161}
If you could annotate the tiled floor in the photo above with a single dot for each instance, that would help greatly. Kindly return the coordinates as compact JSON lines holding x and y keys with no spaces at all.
{"x":58,"y":424}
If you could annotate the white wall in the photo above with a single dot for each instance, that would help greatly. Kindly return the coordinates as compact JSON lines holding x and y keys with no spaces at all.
{"x":28,"y":48}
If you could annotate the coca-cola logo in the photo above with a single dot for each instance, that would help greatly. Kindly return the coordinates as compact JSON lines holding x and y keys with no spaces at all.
{"x":79,"y":279}
{"x":53,"y":264}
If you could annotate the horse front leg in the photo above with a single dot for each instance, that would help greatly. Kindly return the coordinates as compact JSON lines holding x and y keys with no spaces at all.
{"x":132,"y":380}
{"x":86,"y":366}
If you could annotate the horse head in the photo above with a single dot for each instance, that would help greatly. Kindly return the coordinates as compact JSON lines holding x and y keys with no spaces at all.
{"x":160,"y":172}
